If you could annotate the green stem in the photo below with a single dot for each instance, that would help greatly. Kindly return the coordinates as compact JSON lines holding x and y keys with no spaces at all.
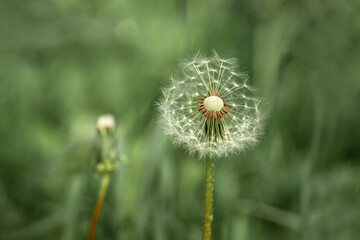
{"x":208,"y":202}
{"x":103,"y":187}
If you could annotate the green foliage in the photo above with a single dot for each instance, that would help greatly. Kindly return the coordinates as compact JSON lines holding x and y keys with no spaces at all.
{"x":64,"y":62}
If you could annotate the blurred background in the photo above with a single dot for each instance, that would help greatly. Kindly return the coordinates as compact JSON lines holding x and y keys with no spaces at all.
{"x":65,"y":62}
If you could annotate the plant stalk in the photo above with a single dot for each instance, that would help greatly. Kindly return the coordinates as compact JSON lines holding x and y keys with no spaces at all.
{"x":208,"y":202}
{"x":104,"y":185}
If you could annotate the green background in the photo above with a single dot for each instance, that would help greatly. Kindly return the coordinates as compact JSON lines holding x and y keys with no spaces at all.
{"x":65,"y":62}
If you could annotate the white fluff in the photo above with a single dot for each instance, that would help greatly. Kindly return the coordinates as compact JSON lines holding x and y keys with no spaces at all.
{"x":182,"y":120}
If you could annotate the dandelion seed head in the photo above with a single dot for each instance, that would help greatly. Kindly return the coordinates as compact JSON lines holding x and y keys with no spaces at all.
{"x":209,"y":107}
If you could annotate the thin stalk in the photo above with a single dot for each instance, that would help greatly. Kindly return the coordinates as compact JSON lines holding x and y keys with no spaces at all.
{"x":104,"y":185}
{"x":208,"y":202}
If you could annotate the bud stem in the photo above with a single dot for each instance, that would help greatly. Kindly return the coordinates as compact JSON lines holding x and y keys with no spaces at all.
{"x":208,"y":202}
{"x":104,"y":184}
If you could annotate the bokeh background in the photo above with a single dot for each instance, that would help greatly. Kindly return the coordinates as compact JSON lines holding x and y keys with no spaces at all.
{"x":64,"y":62}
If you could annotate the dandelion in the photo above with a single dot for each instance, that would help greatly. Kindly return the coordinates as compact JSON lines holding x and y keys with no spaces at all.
{"x":210,"y":110}
{"x":105,"y":163}
{"x":105,"y":122}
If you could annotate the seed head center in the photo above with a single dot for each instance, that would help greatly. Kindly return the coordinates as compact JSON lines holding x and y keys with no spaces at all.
{"x":213,"y":104}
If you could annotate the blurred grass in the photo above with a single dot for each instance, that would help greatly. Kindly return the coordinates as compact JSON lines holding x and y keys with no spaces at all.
{"x":62,"y":63}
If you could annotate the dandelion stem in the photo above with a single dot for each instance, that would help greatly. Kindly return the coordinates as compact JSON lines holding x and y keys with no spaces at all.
{"x":208,"y":202}
{"x":104,"y":184}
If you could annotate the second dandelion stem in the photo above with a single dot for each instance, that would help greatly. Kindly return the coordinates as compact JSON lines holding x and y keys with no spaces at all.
{"x":208,"y":202}
{"x":103,"y":188}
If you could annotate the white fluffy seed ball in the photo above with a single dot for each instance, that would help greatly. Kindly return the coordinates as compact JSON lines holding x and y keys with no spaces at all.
{"x":213,"y":103}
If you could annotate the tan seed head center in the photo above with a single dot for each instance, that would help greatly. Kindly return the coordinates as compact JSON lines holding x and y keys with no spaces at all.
{"x":213,"y":104}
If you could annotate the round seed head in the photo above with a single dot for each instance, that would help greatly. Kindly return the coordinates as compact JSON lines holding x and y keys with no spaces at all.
{"x":209,"y":108}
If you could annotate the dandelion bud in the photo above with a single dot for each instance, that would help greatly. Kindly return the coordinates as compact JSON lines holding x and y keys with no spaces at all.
{"x":106,"y":160}
{"x":105,"y":122}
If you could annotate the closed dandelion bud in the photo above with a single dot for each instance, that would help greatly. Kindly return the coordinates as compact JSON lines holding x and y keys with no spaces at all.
{"x":209,"y":108}
{"x":105,"y":122}
{"x":106,"y":160}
